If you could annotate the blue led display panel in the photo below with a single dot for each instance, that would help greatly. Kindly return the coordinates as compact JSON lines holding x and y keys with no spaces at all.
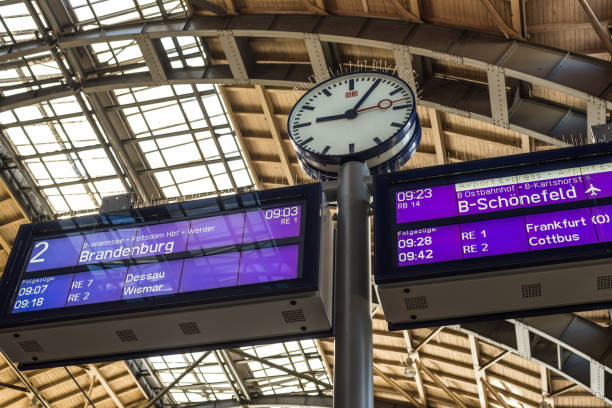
{"x":252,"y":244}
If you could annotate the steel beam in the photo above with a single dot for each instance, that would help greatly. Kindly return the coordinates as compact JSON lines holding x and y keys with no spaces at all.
{"x":404,"y":69}
{"x":266,"y":105}
{"x":495,"y":393}
{"x":166,"y":389}
{"x":438,"y":136}
{"x":241,"y":139}
{"x":315,"y":8}
{"x":480,"y":49}
{"x":287,"y":75}
{"x":281,"y":368}
{"x":234,"y":372}
{"x":548,"y":335}
{"x":498,"y":96}
{"x":234,"y":56}
{"x":405,"y":13}
{"x":517,"y":16}
{"x":209,"y":6}
{"x":545,"y":385}
{"x":440,"y":384}
{"x":13,"y":387}
{"x":397,"y":387}
{"x":508,"y":32}
{"x":478,"y":374}
{"x":306,"y":401}
{"x":602,"y":33}
{"x":154,"y":55}
{"x":318,"y":59}
{"x":596,"y":115}
{"x":25,"y":380}
{"x":418,"y":378}
{"x":494,"y":360}
{"x":109,"y":390}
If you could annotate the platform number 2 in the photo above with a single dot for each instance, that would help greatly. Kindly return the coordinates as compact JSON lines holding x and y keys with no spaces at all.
{"x":36,"y":258}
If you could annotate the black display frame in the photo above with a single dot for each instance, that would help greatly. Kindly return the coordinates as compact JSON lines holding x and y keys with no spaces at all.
{"x":308,"y":195}
{"x":386,"y":228}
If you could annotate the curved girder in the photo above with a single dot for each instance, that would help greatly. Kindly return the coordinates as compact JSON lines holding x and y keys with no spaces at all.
{"x":573,"y":347}
{"x":576,"y":75}
{"x":290,"y":401}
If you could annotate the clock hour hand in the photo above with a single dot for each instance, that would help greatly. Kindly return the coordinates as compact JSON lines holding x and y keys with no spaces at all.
{"x":333,"y":117}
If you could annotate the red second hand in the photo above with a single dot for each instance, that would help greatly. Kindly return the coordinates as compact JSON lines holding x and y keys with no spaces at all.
{"x":378,"y":104}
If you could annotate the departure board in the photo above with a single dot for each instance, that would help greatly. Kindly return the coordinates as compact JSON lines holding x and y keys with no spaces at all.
{"x":168,"y":252}
{"x":496,"y":213}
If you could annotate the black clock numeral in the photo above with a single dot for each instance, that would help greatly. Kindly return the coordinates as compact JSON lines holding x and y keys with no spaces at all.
{"x":352,"y":148}
{"x":396,"y":90}
{"x":326,"y":92}
{"x":395,"y":124}
{"x":377,"y":140}
{"x":325,"y":150}
{"x":301,"y":125}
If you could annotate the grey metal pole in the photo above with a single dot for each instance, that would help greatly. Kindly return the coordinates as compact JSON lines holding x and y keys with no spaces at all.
{"x":353,"y":383}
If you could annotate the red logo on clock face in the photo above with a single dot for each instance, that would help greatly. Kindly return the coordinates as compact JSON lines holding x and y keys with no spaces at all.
{"x":351,"y":94}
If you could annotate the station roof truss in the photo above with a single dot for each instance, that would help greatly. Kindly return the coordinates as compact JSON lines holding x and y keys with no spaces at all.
{"x":180,"y":99}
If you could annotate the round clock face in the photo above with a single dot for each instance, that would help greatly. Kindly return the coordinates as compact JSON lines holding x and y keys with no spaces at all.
{"x":355,"y":116}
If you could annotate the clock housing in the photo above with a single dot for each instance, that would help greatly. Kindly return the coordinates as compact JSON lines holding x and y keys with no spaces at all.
{"x":365,"y":116}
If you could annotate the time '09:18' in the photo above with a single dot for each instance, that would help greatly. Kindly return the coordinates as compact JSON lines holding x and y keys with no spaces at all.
{"x":26,"y":303}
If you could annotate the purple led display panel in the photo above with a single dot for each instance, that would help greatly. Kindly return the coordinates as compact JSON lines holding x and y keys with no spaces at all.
{"x":504,"y":193}
{"x":159,"y":276}
{"x":505,"y":236}
{"x":165,"y":239}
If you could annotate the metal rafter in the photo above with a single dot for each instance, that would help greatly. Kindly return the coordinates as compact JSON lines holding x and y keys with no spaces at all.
{"x":209,"y":6}
{"x":397,"y":387}
{"x":315,"y":8}
{"x":221,"y":74}
{"x":418,"y":378}
{"x":440,"y":384}
{"x":268,"y":110}
{"x":499,"y":21}
{"x":240,"y":137}
{"x":405,"y":13}
{"x":478,"y":374}
{"x":517,"y":16}
{"x":109,"y":390}
{"x":280,"y":368}
{"x":602,"y":33}
{"x":24,"y":379}
{"x":545,"y":381}
{"x":438,"y":136}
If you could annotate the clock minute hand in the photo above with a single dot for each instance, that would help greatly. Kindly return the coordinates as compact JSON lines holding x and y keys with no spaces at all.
{"x":333,"y":117}
{"x":368,"y":92}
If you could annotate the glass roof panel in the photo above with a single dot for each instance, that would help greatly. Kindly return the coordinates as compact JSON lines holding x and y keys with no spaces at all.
{"x":92,"y":14}
{"x":212,"y":380}
{"x":16,"y":24}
